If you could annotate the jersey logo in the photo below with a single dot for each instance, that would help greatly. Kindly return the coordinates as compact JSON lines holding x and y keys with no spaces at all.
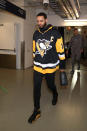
{"x":42,"y":46}
{"x":52,"y":37}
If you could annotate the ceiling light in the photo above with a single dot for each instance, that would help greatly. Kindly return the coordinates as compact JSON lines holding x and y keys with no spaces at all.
{"x":78,"y":20}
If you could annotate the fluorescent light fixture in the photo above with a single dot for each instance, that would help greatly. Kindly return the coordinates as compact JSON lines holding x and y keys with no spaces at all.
{"x":79,"y":29}
{"x":77,"y":20}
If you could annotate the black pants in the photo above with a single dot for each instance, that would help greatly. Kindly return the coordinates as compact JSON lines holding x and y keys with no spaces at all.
{"x":50,"y":79}
{"x":75,"y":58}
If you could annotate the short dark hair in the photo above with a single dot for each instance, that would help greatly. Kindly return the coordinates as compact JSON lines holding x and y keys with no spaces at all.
{"x":42,"y":14}
{"x":75,"y":29}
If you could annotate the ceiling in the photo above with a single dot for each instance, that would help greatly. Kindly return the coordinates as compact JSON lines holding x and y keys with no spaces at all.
{"x":38,"y":3}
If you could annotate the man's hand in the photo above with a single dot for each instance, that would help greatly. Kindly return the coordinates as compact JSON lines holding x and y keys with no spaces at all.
{"x":67,"y":52}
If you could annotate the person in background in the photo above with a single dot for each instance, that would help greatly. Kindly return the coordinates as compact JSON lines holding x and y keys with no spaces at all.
{"x":76,"y":49}
{"x":49,"y":56}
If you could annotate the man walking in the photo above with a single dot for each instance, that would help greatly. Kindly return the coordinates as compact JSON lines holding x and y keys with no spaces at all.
{"x":48,"y":53}
{"x":76,"y":49}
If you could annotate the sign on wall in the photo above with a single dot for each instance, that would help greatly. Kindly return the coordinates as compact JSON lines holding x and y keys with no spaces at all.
{"x":10,"y":7}
{"x":7,"y":37}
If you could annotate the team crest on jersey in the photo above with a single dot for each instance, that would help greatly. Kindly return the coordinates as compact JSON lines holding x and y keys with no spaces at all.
{"x":52,"y":38}
{"x":43,"y":46}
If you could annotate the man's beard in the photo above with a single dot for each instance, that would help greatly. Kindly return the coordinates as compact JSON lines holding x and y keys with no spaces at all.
{"x":43,"y":26}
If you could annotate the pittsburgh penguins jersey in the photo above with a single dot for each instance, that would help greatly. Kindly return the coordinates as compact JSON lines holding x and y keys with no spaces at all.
{"x":48,"y":50}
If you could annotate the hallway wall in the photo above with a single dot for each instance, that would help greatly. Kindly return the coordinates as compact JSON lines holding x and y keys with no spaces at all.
{"x":29,"y":27}
{"x":7,"y":18}
{"x":26,"y":29}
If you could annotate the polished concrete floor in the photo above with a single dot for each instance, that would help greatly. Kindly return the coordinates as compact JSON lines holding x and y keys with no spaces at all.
{"x":16,"y":102}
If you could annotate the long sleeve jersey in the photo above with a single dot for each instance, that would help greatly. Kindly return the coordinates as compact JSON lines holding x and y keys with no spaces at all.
{"x":48,"y":50}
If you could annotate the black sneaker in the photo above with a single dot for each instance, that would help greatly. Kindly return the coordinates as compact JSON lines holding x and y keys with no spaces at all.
{"x":78,"y":67}
{"x":36,"y":114}
{"x":55,"y":99}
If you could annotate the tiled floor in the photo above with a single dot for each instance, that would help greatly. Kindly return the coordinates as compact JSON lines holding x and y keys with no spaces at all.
{"x":16,"y":102}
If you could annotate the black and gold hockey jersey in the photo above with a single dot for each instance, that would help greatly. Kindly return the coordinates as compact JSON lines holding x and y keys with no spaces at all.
{"x":48,"y":50}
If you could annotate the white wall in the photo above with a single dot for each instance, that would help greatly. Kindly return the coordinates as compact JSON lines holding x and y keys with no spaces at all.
{"x":29,"y":28}
{"x":12,"y":20}
{"x":26,"y":30}
{"x":55,"y":20}
{"x":7,"y":36}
